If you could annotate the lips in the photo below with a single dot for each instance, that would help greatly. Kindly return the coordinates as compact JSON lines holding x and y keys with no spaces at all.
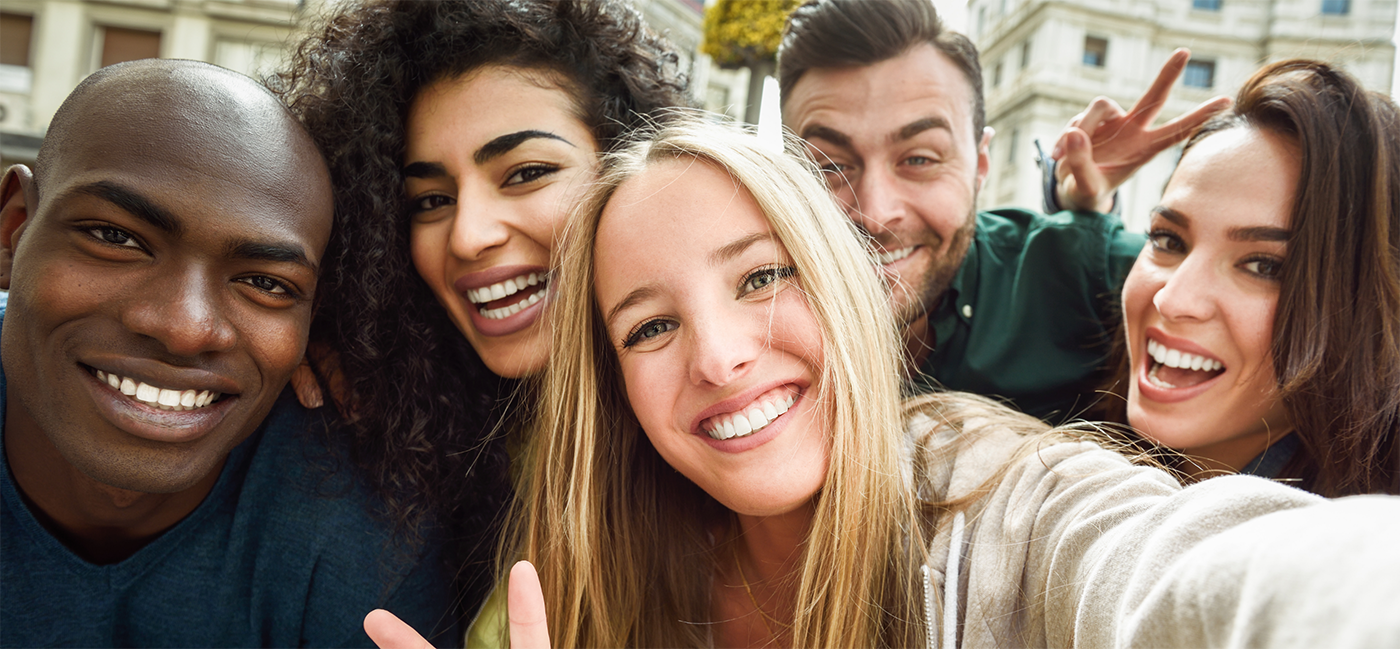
{"x":147,"y":412}
{"x":751,"y":418}
{"x":1176,"y":370}
{"x":504,"y":300}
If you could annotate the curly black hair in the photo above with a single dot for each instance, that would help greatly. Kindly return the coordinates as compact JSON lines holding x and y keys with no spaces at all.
{"x":425,"y":415}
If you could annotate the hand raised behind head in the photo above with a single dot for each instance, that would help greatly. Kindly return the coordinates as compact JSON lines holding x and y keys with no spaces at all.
{"x":1104,"y":146}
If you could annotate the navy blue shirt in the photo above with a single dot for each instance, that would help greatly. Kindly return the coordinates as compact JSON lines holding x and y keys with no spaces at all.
{"x":282,"y":552}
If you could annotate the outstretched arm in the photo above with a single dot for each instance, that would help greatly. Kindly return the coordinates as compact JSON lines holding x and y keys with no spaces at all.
{"x":1103,"y":146}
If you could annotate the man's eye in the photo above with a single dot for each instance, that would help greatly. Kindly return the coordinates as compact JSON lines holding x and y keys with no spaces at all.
{"x":114,"y":236}
{"x":268,"y":284}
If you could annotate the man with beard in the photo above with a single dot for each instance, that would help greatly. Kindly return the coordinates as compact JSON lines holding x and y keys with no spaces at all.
{"x":1007,"y":303}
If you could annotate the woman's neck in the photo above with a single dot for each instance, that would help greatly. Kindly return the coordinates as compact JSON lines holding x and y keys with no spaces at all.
{"x":759,"y":572}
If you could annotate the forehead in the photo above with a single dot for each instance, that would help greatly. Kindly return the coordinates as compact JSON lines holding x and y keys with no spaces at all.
{"x":686,"y":202}
{"x":467,"y":110}
{"x":252,"y":175}
{"x":869,"y":102}
{"x":1235,"y":176}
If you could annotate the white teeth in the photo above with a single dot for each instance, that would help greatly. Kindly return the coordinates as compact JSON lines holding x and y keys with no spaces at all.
{"x":162,"y":398}
{"x":891,"y":256}
{"x":508,"y":311}
{"x":1176,"y":358}
{"x":504,"y":289}
{"x":739,"y":424}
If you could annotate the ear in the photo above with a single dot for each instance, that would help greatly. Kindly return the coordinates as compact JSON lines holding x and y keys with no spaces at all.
{"x":17,"y":196}
{"x":984,"y":157}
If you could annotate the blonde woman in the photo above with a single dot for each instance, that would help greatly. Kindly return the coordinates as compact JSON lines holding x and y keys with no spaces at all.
{"x":720,"y":460}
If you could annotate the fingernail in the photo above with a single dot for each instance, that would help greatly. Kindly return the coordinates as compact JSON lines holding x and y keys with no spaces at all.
{"x":1057,"y":152}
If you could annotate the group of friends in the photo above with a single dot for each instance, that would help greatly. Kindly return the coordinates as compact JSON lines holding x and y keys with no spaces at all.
{"x":466,"y":316}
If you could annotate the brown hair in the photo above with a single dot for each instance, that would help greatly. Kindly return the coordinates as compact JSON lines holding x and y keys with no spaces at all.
{"x":1336,"y":334}
{"x":842,"y":33}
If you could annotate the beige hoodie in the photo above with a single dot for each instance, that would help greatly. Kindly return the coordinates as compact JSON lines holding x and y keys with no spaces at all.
{"x":1075,"y":546}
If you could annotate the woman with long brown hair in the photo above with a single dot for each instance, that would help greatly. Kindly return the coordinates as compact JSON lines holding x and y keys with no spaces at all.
{"x":1262,"y":320}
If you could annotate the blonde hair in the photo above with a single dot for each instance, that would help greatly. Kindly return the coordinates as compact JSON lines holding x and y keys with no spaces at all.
{"x":624,"y":544}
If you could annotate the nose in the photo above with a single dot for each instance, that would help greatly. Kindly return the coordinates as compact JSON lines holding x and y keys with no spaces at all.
{"x":722,"y":349}
{"x":1188,"y":292}
{"x":879,"y":204}
{"x":184,"y":312}
{"x":476,"y":230}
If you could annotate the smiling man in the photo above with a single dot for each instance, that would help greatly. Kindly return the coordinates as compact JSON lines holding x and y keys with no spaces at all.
{"x":1009,"y":303}
{"x":157,"y":490}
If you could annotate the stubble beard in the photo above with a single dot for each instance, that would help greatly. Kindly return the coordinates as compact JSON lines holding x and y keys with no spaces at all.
{"x":929,"y":293}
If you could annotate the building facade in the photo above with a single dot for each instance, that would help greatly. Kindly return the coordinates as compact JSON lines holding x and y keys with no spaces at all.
{"x":48,"y":46}
{"x":1043,"y":61}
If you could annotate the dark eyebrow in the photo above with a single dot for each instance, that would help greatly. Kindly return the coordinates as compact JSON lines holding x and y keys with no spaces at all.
{"x":505,"y":143}
{"x":1258,"y":233}
{"x":424,"y":170}
{"x":1245,"y":234}
{"x":919,"y":126}
{"x":826,"y":133}
{"x":279,"y":252}
{"x":133,"y":203}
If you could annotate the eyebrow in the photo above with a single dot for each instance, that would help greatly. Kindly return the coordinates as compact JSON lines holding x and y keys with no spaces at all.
{"x":826,"y":133}
{"x":278,"y":252}
{"x":719,"y":256}
{"x":503,"y":144}
{"x":132,"y":202}
{"x":919,"y":126}
{"x":1246,"y":234}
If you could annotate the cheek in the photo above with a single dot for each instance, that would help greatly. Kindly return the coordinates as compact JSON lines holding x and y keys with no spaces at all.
{"x":1252,"y":323}
{"x":278,"y":341}
{"x":427,"y":246}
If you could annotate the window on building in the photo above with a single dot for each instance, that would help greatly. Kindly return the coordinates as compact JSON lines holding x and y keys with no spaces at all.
{"x":1199,"y":74}
{"x":1095,"y":51}
{"x":120,"y":44}
{"x":1206,"y":5}
{"x":14,"y":39}
{"x":1011,"y":150}
{"x":1026,"y":54}
{"x":996,"y":75}
{"x":1336,"y":7}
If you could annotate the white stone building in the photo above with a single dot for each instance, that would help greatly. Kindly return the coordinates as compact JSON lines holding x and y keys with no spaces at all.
{"x":1043,"y":61}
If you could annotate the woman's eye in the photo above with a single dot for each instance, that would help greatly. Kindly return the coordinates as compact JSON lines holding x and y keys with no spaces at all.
{"x":1166,"y":241}
{"x":765,"y":277}
{"x":114,"y":236}
{"x":530,"y":173}
{"x":649,"y":330}
{"x":430,"y":202}
{"x":1266,"y":267}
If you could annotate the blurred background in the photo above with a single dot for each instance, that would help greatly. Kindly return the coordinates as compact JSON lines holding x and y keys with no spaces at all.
{"x":1043,"y":60}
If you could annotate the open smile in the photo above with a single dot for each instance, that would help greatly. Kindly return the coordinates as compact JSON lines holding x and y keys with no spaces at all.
{"x":764,"y":410}
{"x":504,"y":300}
{"x":1170,"y":374}
{"x":158,"y":412}
{"x":164,"y":398}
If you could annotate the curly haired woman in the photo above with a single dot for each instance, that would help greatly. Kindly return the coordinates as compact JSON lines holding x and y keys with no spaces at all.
{"x":457,"y":135}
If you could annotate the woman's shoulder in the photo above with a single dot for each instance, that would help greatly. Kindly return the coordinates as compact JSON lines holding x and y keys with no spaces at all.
{"x":961,"y":445}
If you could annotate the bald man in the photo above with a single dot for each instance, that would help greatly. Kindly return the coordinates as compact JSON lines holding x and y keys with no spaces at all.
{"x":159,"y":489}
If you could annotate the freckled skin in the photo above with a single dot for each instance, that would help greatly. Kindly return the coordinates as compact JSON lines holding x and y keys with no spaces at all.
{"x":93,"y":286}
